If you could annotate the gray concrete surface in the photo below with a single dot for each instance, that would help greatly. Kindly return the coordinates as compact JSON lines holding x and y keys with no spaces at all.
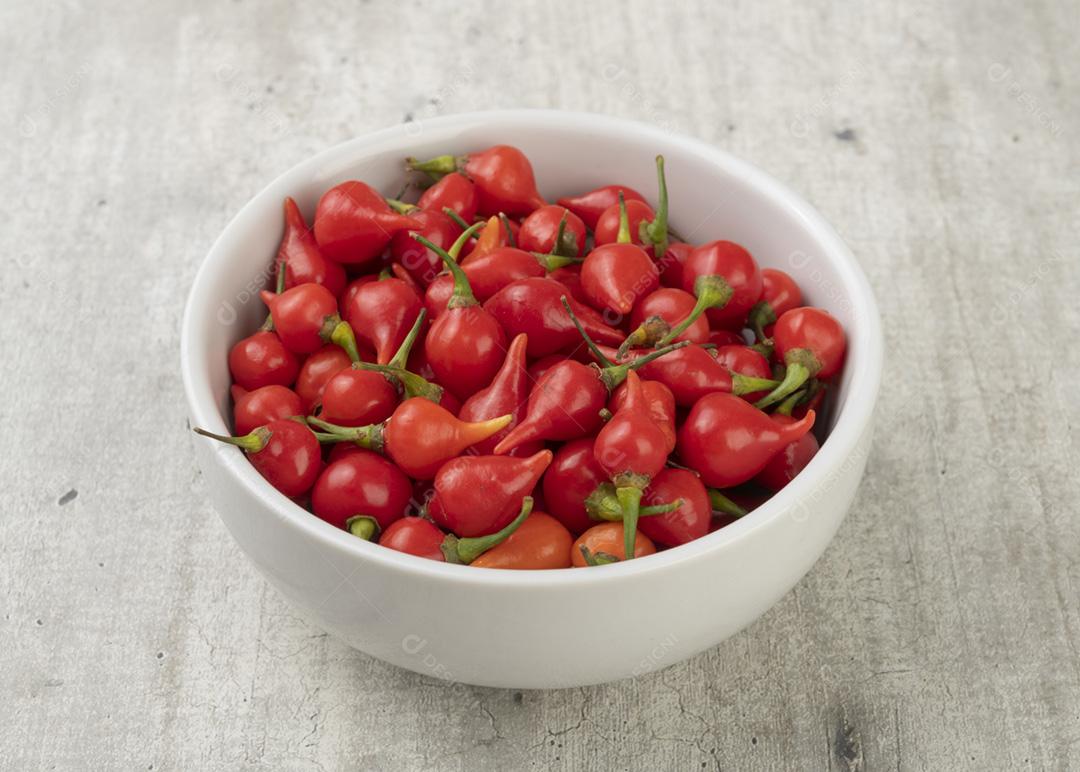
{"x":940,"y":630}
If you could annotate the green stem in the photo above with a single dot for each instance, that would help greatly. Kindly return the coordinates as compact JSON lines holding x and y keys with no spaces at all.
{"x":453,"y":215}
{"x":588,"y":341}
{"x":624,"y":222}
{"x":760,"y":315}
{"x":656,"y":232}
{"x":412,"y":384}
{"x":712,"y":291}
{"x":463,"y":295}
{"x":249,"y":443}
{"x":796,"y":376}
{"x":467,"y":550}
{"x":400,"y":359}
{"x":362,"y":526}
{"x":554,"y":262}
{"x":616,"y":374}
{"x":343,"y":336}
{"x":369,"y":437}
{"x":279,"y":286}
{"x":599,"y":559}
{"x":400,"y":206}
{"x":721,"y":503}
{"x":630,"y":499}
{"x":646,"y":335}
{"x":438,"y":166}
{"x":510,"y":240}
{"x":747,"y":384}
{"x":785,"y":407}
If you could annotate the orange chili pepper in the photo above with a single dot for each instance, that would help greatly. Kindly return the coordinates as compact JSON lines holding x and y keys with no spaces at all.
{"x":540,"y":542}
{"x":497,"y":233}
{"x":604,"y":542}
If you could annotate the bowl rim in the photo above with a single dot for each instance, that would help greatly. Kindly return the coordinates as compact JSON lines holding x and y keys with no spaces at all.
{"x":864,"y":349}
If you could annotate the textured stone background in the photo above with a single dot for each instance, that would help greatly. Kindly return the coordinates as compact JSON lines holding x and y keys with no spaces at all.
{"x":940,"y":630}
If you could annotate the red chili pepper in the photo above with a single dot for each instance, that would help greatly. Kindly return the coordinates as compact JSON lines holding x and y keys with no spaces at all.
{"x":725,"y":279}
{"x":361,"y":493}
{"x":355,"y":397}
{"x":419,"y":437}
{"x":565,"y":404}
{"x":655,"y":315}
{"x":687,"y":522}
{"x":534,"y":307}
{"x":262,"y":360}
{"x":552,"y":229}
{"x":660,"y":402}
{"x":453,"y":191}
{"x":605,"y":543}
{"x":502,"y":175}
{"x":422,"y":263}
{"x":746,"y":361}
{"x":671,"y":264}
{"x":570,"y":277}
{"x":691,"y":372}
{"x":508,"y":392}
{"x":782,"y":468}
{"x":589,"y":206}
{"x":540,"y":543}
{"x":283,"y":451}
{"x":317,"y":369}
{"x":300,"y":255}
{"x":811,"y":343}
{"x":728,"y":441}
{"x":420,"y":537}
{"x":632,"y":449}
{"x":305,"y":317}
{"x":726,"y":338}
{"x":354,"y":224}
{"x":475,"y":495}
{"x":262,"y":405}
{"x":616,"y":275}
{"x":381,"y":313}
{"x":574,"y":474}
{"x":465,"y":344}
{"x":779,"y":295}
{"x":490,"y":273}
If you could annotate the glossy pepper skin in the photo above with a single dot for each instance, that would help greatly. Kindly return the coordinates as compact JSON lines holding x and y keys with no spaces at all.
{"x":508,"y":393}
{"x":382,"y":313}
{"x":299,"y":253}
{"x":502,"y":175}
{"x":607,"y":226}
{"x":414,"y":536}
{"x":284,"y":451}
{"x":779,"y":294}
{"x":477,"y":495}
{"x":810,"y":343}
{"x":616,"y":274}
{"x":728,"y":441}
{"x":656,"y":313}
{"x":725,"y":277}
{"x":747,"y":361}
{"x":362,"y":484}
{"x":590,"y":206}
{"x":571,"y":478}
{"x":354,"y":224}
{"x":782,"y":467}
{"x":353,"y":397}
{"x":262,"y":405}
{"x":689,"y":521}
{"x":606,"y":541}
{"x":260,"y":360}
{"x":539,"y":232}
{"x":304,"y":316}
{"x":453,"y":191}
{"x":541,"y":542}
{"x":661,"y":406}
{"x":487,"y":274}
{"x":422,"y":263}
{"x":690,"y":373}
{"x":534,"y":307}
{"x":317,"y":371}
{"x":422,"y":436}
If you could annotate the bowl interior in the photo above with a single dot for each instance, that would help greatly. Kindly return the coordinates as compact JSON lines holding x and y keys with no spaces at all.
{"x":712,"y":195}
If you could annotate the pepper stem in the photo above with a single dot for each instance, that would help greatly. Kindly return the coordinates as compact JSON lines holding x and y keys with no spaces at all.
{"x":463,"y":295}
{"x":401,"y":356}
{"x":785,"y":407}
{"x":467,"y":550}
{"x":760,"y":315}
{"x":510,"y":240}
{"x":362,"y":526}
{"x":630,"y":499}
{"x":599,"y":559}
{"x":623,"y":236}
{"x":453,"y":215}
{"x":616,"y":374}
{"x":438,"y":167}
{"x":343,"y":336}
{"x":588,"y":341}
{"x":747,"y":384}
{"x":369,"y":437}
{"x":795,"y":376}
{"x":249,"y":443}
{"x":656,"y":232}
{"x":712,"y":291}
{"x":552,"y":262}
{"x":646,"y":335}
{"x":721,"y":503}
{"x":400,"y":206}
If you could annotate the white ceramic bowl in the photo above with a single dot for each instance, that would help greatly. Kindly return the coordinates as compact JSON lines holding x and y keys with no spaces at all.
{"x":540,"y":629}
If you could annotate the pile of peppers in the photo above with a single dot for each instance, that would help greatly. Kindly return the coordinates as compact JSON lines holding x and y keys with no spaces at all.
{"x":486,"y":378}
